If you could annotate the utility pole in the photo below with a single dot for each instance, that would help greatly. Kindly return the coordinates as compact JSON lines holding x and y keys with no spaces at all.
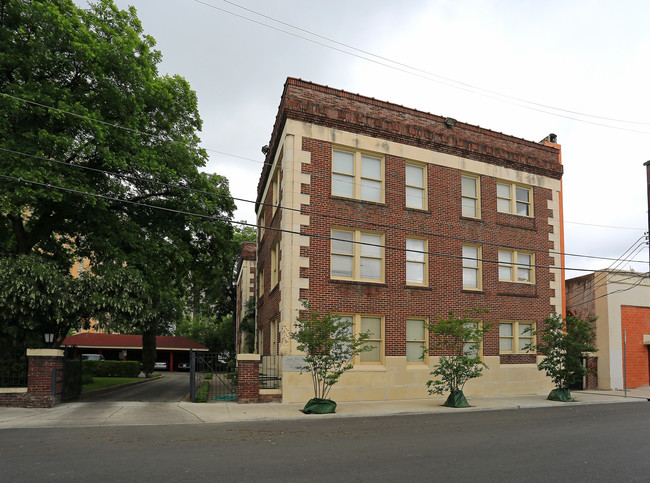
{"x":647,"y":174}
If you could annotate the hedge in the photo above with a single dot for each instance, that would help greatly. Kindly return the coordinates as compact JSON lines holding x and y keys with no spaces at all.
{"x":202,"y":394}
{"x":111,"y":368}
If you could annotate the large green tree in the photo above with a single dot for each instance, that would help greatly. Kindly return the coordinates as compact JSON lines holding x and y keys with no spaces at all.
{"x":100,"y":158}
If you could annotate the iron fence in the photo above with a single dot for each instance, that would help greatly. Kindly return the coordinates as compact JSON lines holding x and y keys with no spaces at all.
{"x":222,"y":383}
{"x":271,"y":372}
{"x":13,"y":373}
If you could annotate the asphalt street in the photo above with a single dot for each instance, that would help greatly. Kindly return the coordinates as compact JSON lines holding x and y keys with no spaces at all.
{"x":606,"y":442}
{"x":172,"y":387}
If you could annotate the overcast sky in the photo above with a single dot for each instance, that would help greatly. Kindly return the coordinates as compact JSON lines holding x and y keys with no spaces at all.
{"x":575,"y":68}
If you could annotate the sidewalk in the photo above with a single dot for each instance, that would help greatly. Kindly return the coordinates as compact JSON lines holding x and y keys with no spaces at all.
{"x":91,"y":414}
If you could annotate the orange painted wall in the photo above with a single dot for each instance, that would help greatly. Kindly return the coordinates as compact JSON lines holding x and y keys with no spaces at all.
{"x":636,"y":322}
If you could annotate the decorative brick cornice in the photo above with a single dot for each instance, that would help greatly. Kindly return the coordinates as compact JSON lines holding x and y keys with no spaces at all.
{"x":337,"y":109}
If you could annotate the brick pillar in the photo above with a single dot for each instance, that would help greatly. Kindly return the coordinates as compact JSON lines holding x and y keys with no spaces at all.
{"x":41,"y":362}
{"x":248,"y":377}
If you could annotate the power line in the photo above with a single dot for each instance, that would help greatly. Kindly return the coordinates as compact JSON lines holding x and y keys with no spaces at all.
{"x":421,"y":70}
{"x":633,"y":250}
{"x":419,"y":73}
{"x":302,"y":211}
{"x":281,"y":230}
{"x":264,"y":163}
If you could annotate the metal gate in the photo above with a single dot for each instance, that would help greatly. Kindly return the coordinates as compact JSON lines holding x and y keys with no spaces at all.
{"x":67,"y":382}
{"x":211,"y":378}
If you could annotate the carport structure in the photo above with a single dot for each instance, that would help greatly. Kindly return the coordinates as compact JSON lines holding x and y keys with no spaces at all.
{"x":120,"y":347}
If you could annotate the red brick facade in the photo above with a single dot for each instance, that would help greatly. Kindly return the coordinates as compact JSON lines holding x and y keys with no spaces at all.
{"x":636,"y":324}
{"x":334,"y":119}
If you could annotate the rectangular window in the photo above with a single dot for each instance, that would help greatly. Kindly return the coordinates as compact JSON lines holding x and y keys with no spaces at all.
{"x":416,"y":340}
{"x":260,"y":283}
{"x":359,"y":176}
{"x":514,"y":337}
{"x":470,"y":199}
{"x":516,"y":266}
{"x":515,"y":199}
{"x":357,"y":255}
{"x":273,"y":337}
{"x":416,"y":193}
{"x":374,"y":324}
{"x":472,"y":277}
{"x":416,"y":262}
{"x":275,"y":188}
{"x":261,"y":223}
{"x":473,"y":348}
{"x":275,"y":264}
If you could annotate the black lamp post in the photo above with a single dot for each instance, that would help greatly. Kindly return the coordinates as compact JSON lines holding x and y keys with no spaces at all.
{"x":49,"y":337}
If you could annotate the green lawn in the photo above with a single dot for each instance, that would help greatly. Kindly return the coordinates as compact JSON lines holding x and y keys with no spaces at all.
{"x":102,"y":382}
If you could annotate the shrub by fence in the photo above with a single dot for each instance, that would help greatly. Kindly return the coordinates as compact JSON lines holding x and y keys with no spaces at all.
{"x":111,"y":368}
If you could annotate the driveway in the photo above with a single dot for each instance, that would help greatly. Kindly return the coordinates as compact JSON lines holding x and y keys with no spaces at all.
{"x":171,"y":387}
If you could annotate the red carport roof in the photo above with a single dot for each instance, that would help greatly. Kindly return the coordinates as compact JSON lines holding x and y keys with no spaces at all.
{"x":121,"y":341}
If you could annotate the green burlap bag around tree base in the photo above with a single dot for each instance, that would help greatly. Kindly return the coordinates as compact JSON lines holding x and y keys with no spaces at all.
{"x":319,"y":406}
{"x":561,"y":394}
{"x":456,"y":400}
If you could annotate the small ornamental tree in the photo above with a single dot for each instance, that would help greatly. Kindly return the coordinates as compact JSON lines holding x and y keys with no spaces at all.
{"x":330,"y":346}
{"x":460,"y":339}
{"x":563,"y":343}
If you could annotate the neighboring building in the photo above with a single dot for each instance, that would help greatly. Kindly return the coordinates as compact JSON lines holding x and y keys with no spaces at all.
{"x":170,"y":349}
{"x":245,"y":292}
{"x":392,"y":217}
{"x":621,"y":302}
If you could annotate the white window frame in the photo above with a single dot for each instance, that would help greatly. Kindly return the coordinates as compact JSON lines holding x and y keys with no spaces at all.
{"x":515,"y":265}
{"x":513,"y":200}
{"x":516,"y":336}
{"x":424,"y":263}
{"x":356,"y":178}
{"x":474,"y":264}
{"x":421,"y":188}
{"x":424,"y":343}
{"x":357,"y":256}
{"x":475,"y":200}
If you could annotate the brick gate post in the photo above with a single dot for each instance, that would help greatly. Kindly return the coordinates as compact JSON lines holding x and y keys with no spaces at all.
{"x":40,"y":364}
{"x":248,"y":377}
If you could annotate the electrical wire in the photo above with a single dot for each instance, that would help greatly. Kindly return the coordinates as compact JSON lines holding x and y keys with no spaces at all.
{"x":263,"y":163}
{"x":417,"y":73}
{"x":422,"y":70}
{"x":303,"y":211}
{"x":601,"y":279}
{"x":281,"y":230}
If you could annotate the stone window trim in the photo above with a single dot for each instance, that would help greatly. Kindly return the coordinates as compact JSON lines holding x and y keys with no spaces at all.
{"x":415,"y":189}
{"x":514,"y":198}
{"x":357,"y":255}
{"x":512,"y":339}
{"x":363,"y":322}
{"x":516,"y":266}
{"x":417,"y":261}
{"x":472,"y":264}
{"x":358,"y":175}
{"x":470,"y":196}
{"x":417,"y":340}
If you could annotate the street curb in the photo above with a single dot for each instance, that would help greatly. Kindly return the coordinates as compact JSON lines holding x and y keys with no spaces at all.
{"x":106,"y":390}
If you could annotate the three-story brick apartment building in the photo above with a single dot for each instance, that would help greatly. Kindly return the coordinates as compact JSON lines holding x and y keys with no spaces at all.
{"x":392,"y":217}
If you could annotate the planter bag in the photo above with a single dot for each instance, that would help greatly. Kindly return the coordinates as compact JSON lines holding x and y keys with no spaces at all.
{"x":456,"y":400}
{"x":319,"y":406}
{"x":561,"y":394}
